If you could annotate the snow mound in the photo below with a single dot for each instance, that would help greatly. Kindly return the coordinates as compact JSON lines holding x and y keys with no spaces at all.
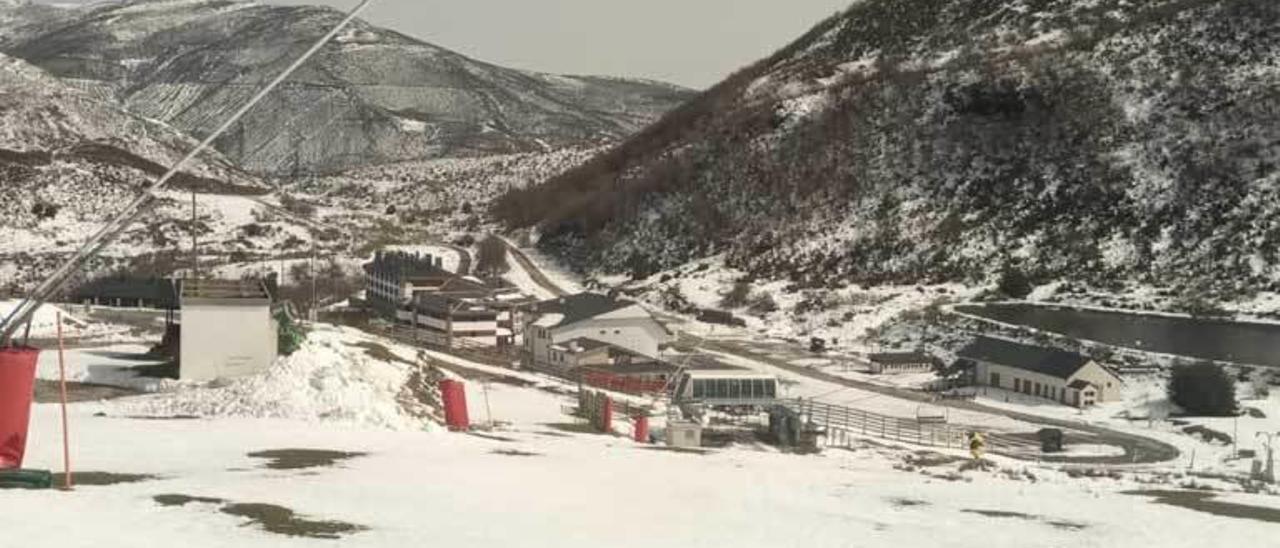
{"x":44,"y":324}
{"x":339,"y":375}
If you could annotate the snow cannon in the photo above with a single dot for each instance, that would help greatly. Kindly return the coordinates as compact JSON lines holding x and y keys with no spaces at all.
{"x":17,"y":385}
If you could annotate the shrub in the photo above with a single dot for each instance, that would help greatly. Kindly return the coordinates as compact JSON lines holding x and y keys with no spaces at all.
{"x":1203,"y":388}
{"x":763,"y":304}
{"x":1015,"y":284}
{"x":736,"y":297}
{"x":296,"y":206}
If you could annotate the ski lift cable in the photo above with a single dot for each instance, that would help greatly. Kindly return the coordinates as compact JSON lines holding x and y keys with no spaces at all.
{"x":112,"y":230}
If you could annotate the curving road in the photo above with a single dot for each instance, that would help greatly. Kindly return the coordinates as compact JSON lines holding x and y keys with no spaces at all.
{"x":1137,"y":449}
{"x":534,"y":272}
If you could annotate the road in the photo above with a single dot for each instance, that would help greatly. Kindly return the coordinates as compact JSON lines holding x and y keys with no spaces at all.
{"x":464,"y":258}
{"x":1137,"y":449}
{"x":535,"y":273}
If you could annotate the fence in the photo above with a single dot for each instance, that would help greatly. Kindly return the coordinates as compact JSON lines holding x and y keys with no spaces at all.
{"x":613,"y":382}
{"x":460,"y":347}
{"x":844,"y":424}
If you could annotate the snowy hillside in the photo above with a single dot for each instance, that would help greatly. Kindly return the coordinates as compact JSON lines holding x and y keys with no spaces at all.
{"x":69,"y":160}
{"x":374,"y":96}
{"x":926,"y":141}
{"x":445,"y":194}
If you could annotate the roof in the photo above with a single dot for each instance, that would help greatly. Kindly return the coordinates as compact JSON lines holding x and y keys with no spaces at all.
{"x":583,"y":344}
{"x":727,"y":374}
{"x":406,"y":265}
{"x":459,"y":309}
{"x":224,"y":289}
{"x":163,"y":291}
{"x":1037,"y":359}
{"x":901,"y":357}
{"x":583,"y":306}
{"x":643,"y":368}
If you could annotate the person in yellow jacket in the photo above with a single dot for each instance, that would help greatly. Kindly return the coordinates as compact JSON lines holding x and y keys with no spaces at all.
{"x":977,"y":445}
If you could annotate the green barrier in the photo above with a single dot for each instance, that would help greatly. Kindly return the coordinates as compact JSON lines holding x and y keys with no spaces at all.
{"x":26,"y":479}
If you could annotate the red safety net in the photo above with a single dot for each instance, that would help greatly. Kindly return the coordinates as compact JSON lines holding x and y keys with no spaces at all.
{"x":619,"y":383}
{"x":453,"y":395}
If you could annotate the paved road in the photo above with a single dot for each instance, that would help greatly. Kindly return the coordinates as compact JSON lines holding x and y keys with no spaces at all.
{"x":464,"y":258}
{"x":1137,"y":449}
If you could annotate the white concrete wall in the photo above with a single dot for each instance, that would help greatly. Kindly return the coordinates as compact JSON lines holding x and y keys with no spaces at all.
{"x":1007,"y":374}
{"x":1109,"y":386}
{"x":631,"y":328}
{"x":226,"y":340}
{"x":639,"y":335}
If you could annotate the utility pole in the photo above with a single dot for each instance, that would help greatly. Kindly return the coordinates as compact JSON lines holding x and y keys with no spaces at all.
{"x":313,"y":313}
{"x":1269,"y":473}
{"x":195,"y":248}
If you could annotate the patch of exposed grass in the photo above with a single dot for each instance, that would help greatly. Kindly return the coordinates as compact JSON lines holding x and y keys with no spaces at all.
{"x":297,"y":459}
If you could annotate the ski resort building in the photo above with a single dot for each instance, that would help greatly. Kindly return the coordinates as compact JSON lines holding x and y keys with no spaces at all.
{"x":591,"y":329}
{"x":227,"y":329}
{"x":446,"y":309}
{"x":1065,"y":377}
{"x":453,"y":320}
{"x":129,"y":292}
{"x":393,"y":278}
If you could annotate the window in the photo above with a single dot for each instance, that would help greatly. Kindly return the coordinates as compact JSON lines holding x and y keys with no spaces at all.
{"x":995,"y":379}
{"x":757,"y":388}
{"x":735,"y":388}
{"x":721,"y":388}
{"x":1017,"y":385}
{"x":699,"y":389}
{"x":770,"y":388}
{"x":617,"y":331}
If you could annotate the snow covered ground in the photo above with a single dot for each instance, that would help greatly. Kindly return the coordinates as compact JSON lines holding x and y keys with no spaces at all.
{"x":339,"y":375}
{"x":798,"y":386}
{"x":1147,"y":411}
{"x":44,"y":323}
{"x":536,"y":485}
{"x":539,"y":478}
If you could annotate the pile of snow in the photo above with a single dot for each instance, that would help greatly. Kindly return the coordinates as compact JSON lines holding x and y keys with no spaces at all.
{"x":44,"y":324}
{"x":339,"y":375}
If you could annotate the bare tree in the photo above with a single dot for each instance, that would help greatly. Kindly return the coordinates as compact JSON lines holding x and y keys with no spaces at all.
{"x":492,"y":258}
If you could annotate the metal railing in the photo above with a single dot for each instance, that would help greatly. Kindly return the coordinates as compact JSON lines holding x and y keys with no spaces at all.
{"x":845,"y":424}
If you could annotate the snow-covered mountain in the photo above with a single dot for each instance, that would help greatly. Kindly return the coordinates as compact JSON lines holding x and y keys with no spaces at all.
{"x":374,"y":96}
{"x":70,"y":160}
{"x":913,"y":141}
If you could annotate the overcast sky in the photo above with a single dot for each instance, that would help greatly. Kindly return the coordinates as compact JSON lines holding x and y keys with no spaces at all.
{"x":689,"y":42}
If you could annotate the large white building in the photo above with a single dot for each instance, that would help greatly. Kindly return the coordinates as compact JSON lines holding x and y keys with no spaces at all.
{"x":555,"y":328}
{"x":227,"y":329}
{"x":1058,"y":375}
{"x":393,"y":278}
